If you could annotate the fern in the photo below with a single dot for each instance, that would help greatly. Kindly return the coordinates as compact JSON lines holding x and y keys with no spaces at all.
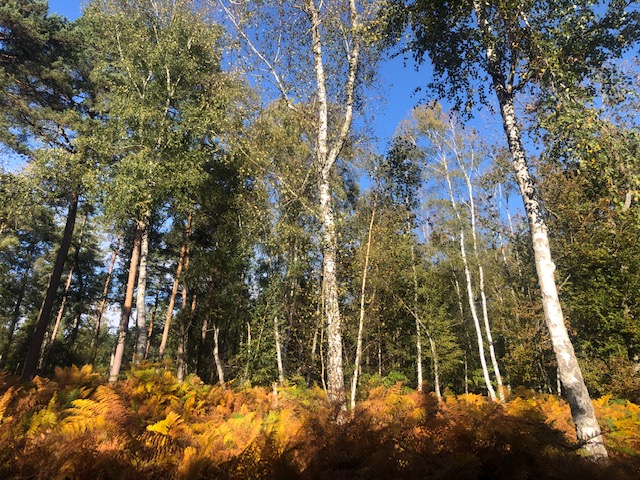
{"x":44,"y":419}
{"x":5,"y":400}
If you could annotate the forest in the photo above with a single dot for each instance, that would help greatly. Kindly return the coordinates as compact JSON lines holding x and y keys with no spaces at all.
{"x":212,"y":266}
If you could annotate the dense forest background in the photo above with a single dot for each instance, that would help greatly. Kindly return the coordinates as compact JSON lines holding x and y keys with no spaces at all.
{"x":196,"y":186}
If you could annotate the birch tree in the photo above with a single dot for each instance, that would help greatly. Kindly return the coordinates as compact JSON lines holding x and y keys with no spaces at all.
{"x":505,"y":47}
{"x":290,"y":43}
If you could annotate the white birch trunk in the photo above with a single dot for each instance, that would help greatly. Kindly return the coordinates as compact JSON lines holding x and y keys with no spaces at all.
{"x":216,"y":356}
{"x":483,"y":297}
{"x":276,"y":335}
{"x":363,"y":289}
{"x":103,"y":300}
{"x":587,"y":428}
{"x":417,"y":318}
{"x":476,"y":321}
{"x":467,"y":273}
{"x":141,"y":295}
{"x":436,"y":366}
{"x":326,"y":159}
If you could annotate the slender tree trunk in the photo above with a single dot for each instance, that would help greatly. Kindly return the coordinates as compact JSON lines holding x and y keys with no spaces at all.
{"x":483,"y":297}
{"x":121,"y":336}
{"x":141,"y":295}
{"x":365,"y":270}
{"x":467,"y":273}
{"x":335,"y":377}
{"x":216,"y":356}
{"x":103,"y":300}
{"x":49,"y":341}
{"x":577,"y":395}
{"x":201,"y":345}
{"x":466,"y":375}
{"x":246,"y":367}
{"x":276,"y":334}
{"x":184,"y":323}
{"x":436,"y":366}
{"x":417,"y":319}
{"x":174,"y":292}
{"x":31,"y":362}
{"x":182,"y":345}
{"x":476,"y":321}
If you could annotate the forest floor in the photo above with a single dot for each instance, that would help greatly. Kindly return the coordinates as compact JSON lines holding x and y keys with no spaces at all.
{"x":150,"y":426}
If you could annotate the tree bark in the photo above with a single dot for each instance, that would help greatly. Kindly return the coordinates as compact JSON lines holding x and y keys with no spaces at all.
{"x":358,"y":359}
{"x":483,"y":297}
{"x":151,"y":322}
{"x":276,"y":335}
{"x":467,"y":274}
{"x":174,"y":292}
{"x":476,"y":321}
{"x":326,"y":159}
{"x":141,"y":295}
{"x":216,"y":356}
{"x":587,"y":428}
{"x":48,"y":342}
{"x":436,"y":366}
{"x":576,"y":393}
{"x":44,"y":316}
{"x":184,"y":325}
{"x":121,"y":336}
{"x":103,"y":300}
{"x":417,"y":319}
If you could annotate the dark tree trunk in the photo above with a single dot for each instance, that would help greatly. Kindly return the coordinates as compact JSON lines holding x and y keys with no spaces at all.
{"x":31,"y":362}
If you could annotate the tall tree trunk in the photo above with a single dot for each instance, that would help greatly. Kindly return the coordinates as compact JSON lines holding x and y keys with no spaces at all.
{"x":31,"y":362}
{"x":417,"y":319}
{"x":184,"y":321}
{"x":576,"y":393}
{"x":587,"y":428}
{"x":363,"y":289}
{"x":174,"y":291}
{"x":216,"y":356}
{"x":279,"y":362}
{"x":141,"y":295}
{"x":49,"y":341}
{"x":436,"y":366}
{"x":335,"y":377}
{"x":121,"y":336}
{"x":326,"y":159}
{"x":476,"y":321}
{"x":103,"y":300}
{"x":483,"y":297}
{"x":467,"y":274}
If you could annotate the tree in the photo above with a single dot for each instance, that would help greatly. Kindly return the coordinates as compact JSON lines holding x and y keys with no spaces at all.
{"x":545,"y":43}
{"x":164,"y":101}
{"x":328,"y":42}
{"x":41,"y":113}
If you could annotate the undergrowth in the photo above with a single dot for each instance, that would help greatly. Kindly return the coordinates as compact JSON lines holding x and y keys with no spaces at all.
{"x":151,"y":426}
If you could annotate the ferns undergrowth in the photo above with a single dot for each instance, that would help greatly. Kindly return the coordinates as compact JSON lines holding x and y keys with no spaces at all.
{"x":150,"y":426}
